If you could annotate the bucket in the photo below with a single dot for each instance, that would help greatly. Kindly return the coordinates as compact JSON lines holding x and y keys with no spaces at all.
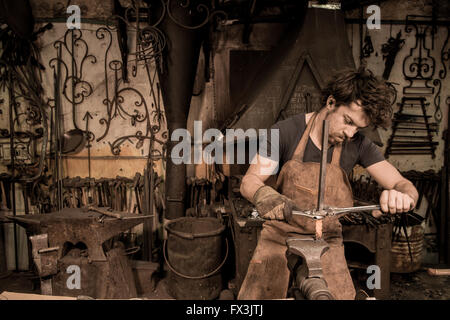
{"x":400,"y":257}
{"x":193,"y":253}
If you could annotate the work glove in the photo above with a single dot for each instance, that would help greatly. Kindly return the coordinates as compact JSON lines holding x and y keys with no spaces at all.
{"x":272,"y":205}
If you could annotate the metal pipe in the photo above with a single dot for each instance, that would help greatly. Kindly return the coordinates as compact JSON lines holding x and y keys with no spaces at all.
{"x":176,"y":76}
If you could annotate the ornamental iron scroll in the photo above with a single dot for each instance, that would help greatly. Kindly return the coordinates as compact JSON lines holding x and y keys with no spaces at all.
{"x":445,"y":56}
{"x":142,"y":18}
{"x":150,"y":42}
{"x":139,"y":110}
{"x":75,"y":89}
{"x":419,"y":67}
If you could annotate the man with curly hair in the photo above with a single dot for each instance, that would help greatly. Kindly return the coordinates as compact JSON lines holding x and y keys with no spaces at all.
{"x":352,"y":100}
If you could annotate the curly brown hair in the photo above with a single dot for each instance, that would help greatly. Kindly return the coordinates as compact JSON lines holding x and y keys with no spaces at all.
{"x":375,"y":94}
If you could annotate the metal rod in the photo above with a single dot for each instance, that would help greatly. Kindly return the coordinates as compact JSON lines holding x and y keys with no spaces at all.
{"x":399,"y":152}
{"x":140,"y":217}
{"x":407,"y":115}
{"x":412,"y":144}
{"x":151,"y":193}
{"x":146,"y":253}
{"x":48,"y":249}
{"x":323,"y":165}
{"x":58,"y":152}
{"x":399,"y":22}
{"x":12,"y":155}
{"x":154,"y":157}
{"x":412,"y":137}
{"x":335,"y":211}
{"x":356,"y":209}
{"x":361,"y":16}
{"x":411,"y":148}
{"x":420,"y":129}
{"x":74,"y":76}
{"x":413,"y":122}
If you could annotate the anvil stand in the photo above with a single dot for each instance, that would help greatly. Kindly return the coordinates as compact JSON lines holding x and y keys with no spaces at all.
{"x":308,"y":277}
{"x":76,"y":237}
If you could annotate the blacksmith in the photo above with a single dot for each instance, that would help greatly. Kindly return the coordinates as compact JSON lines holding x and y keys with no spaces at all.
{"x":351,"y":101}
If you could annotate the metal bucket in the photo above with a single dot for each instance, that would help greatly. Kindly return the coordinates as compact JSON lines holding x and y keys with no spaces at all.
{"x":193,"y":253}
{"x":400,"y":257}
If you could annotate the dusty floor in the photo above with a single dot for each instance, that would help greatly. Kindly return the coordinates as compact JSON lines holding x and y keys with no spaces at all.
{"x":419,"y":286}
{"x":413,"y":286}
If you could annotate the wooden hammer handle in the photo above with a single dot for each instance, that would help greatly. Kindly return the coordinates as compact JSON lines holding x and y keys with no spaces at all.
{"x":106,"y":213}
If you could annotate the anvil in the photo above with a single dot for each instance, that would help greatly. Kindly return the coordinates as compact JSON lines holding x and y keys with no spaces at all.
{"x":77,"y":225}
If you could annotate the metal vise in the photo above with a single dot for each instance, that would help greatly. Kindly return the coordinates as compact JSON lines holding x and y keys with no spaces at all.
{"x":309,"y":277}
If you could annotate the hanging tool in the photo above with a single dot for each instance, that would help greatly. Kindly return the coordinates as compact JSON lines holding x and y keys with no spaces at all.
{"x":367,"y":49}
{"x":103,"y":212}
{"x":122,"y":37}
{"x":390,"y":50}
{"x":410,"y":122}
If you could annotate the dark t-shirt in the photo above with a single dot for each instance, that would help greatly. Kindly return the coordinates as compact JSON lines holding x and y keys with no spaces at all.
{"x":359,"y":150}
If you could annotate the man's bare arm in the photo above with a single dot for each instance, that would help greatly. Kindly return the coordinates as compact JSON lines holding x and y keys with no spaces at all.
{"x":399,"y":195}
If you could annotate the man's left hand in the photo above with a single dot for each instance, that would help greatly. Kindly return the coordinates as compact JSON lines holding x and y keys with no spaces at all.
{"x":394,"y":201}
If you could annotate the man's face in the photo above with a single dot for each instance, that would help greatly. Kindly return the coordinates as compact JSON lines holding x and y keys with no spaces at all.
{"x":345,"y":121}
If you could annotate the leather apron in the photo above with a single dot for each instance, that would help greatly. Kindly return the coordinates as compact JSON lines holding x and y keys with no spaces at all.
{"x":268,"y":274}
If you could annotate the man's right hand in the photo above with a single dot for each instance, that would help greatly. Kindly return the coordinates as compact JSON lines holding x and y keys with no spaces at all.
{"x":273,"y":205}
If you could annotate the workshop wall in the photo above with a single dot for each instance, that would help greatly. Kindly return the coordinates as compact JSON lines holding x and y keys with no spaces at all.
{"x":126,"y":120}
{"x":98,"y":83}
{"x":214,"y":103}
{"x":96,"y":54}
{"x":109,"y":157}
{"x":398,"y":10}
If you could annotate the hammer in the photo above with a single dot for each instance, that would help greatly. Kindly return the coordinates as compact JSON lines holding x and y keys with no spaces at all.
{"x":104,"y":212}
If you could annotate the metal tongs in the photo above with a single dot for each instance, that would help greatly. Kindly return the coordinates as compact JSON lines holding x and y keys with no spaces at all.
{"x":333,"y":211}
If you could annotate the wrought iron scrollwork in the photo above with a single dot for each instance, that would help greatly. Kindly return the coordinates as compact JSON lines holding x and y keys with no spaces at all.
{"x":391,"y":85}
{"x":200,"y":8}
{"x":419,"y":65}
{"x":138,"y":110}
{"x":437,"y":101}
{"x":445,"y":56}
{"x":75,"y":88}
{"x":128,"y":102}
{"x":367,"y":47}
